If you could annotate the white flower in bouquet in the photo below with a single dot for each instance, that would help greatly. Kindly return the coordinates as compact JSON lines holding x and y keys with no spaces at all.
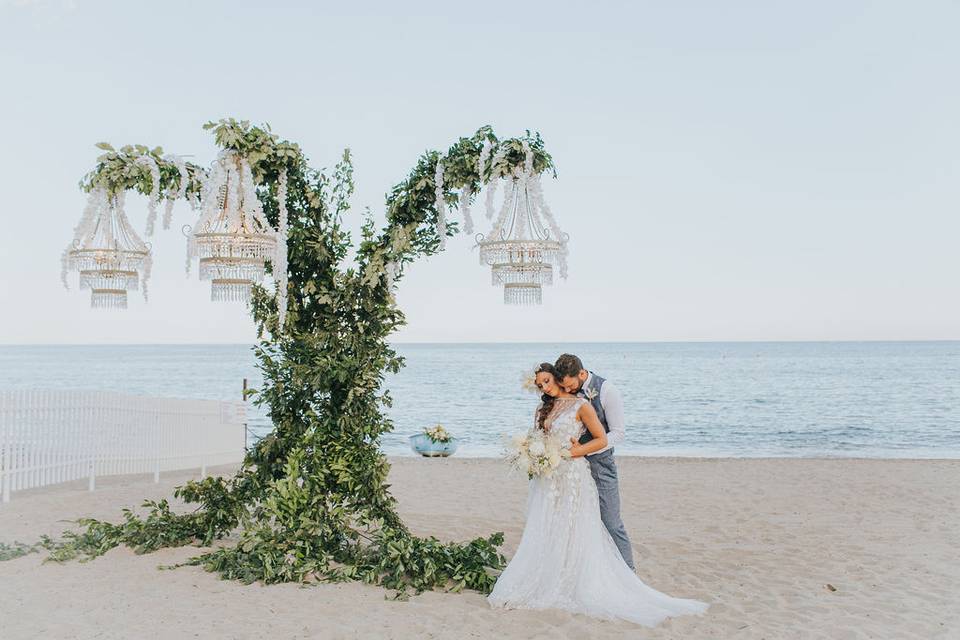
{"x":555,"y":458}
{"x":536,"y":453}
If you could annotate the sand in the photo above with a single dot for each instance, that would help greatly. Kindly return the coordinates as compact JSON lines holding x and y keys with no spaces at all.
{"x":760,"y":539}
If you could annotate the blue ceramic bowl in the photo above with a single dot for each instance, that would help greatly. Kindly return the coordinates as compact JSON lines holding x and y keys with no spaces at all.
{"x":423,"y":445}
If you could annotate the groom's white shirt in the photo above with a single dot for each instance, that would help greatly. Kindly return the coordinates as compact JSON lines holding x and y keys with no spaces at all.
{"x":612,"y":403}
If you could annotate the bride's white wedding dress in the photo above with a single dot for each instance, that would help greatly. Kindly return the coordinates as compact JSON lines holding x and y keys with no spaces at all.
{"x":566,"y":559}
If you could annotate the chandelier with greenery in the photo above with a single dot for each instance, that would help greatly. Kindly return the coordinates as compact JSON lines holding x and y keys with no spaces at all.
{"x":525,"y":243}
{"x":310,"y":501}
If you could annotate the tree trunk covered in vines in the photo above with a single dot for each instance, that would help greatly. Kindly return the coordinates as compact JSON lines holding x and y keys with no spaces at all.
{"x":311,"y":499}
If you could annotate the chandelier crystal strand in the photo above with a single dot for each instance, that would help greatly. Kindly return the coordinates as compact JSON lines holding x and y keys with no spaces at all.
{"x":522,"y":218}
{"x":147,"y":270}
{"x":108,"y":299}
{"x":126,"y":227}
{"x":440,"y":205}
{"x":191,"y":249}
{"x":280,"y":264}
{"x":522,"y":294}
{"x":249,"y":196}
{"x":563,"y":238}
{"x":232,"y":240}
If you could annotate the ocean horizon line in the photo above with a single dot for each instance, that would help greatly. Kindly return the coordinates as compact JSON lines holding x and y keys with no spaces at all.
{"x":793,"y":399}
{"x":496,"y":342}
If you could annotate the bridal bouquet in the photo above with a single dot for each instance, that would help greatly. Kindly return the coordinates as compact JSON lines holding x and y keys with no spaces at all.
{"x":536,"y":453}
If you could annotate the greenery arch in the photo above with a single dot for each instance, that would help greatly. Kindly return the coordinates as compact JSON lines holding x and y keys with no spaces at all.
{"x":310,"y":501}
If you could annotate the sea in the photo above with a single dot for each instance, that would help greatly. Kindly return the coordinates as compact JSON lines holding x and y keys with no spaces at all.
{"x":723,"y":399}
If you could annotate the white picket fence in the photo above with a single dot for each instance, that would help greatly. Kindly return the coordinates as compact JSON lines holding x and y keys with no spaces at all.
{"x":49,"y":437}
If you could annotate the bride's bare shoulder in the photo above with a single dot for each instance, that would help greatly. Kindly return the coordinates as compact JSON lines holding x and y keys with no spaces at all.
{"x":585,"y":409}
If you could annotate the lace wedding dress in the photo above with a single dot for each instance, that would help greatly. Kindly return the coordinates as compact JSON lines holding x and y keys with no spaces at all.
{"x":566,"y":559}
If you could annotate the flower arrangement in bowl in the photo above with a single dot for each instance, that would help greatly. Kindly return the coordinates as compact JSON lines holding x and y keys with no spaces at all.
{"x":434,"y":442}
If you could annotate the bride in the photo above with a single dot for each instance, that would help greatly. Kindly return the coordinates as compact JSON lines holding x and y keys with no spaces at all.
{"x":566,"y":558}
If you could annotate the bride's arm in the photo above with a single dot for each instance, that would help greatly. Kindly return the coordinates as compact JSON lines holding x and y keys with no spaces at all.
{"x":588,"y":416}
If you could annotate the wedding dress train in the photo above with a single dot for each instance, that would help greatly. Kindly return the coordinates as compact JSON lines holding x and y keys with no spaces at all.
{"x":566,"y":559}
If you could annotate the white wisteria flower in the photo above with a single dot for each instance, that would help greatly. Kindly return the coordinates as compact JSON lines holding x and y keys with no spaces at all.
{"x":154,"y":199}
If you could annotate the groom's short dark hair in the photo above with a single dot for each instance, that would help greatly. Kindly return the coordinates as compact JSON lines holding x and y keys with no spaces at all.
{"x":568,"y":365}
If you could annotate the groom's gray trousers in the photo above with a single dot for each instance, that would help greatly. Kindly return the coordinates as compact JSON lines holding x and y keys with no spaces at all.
{"x":604,"y":472}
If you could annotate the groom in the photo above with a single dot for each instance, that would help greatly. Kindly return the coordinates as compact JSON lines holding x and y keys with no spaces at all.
{"x":608,"y":404}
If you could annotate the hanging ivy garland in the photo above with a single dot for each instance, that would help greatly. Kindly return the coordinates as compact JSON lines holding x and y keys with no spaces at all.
{"x":310,"y":501}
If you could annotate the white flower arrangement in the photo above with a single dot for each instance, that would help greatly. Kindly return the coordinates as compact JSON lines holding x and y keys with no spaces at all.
{"x":151,"y":166}
{"x":175,"y":194}
{"x":536,"y":453}
{"x":438,"y":434}
{"x":590,"y":394}
{"x":465,"y":195}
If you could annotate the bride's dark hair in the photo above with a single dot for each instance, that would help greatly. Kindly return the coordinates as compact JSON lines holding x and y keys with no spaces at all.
{"x":546,"y":401}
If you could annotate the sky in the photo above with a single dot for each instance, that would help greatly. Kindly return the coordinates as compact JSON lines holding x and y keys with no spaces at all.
{"x":727,"y":171}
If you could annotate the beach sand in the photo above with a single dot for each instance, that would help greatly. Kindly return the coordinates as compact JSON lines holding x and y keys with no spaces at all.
{"x":760,"y":539}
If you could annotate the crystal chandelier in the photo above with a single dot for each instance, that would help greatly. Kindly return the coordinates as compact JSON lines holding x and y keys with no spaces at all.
{"x":108,"y":254}
{"x":525,"y":245}
{"x":232,"y":239}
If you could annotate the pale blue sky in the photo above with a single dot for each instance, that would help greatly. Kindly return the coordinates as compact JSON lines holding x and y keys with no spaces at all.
{"x":728,"y":171}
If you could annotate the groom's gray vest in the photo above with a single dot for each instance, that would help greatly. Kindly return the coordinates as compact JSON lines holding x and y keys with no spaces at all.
{"x":593,"y":389}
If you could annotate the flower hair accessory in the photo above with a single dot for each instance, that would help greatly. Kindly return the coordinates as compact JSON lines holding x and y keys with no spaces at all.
{"x":528,"y":381}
